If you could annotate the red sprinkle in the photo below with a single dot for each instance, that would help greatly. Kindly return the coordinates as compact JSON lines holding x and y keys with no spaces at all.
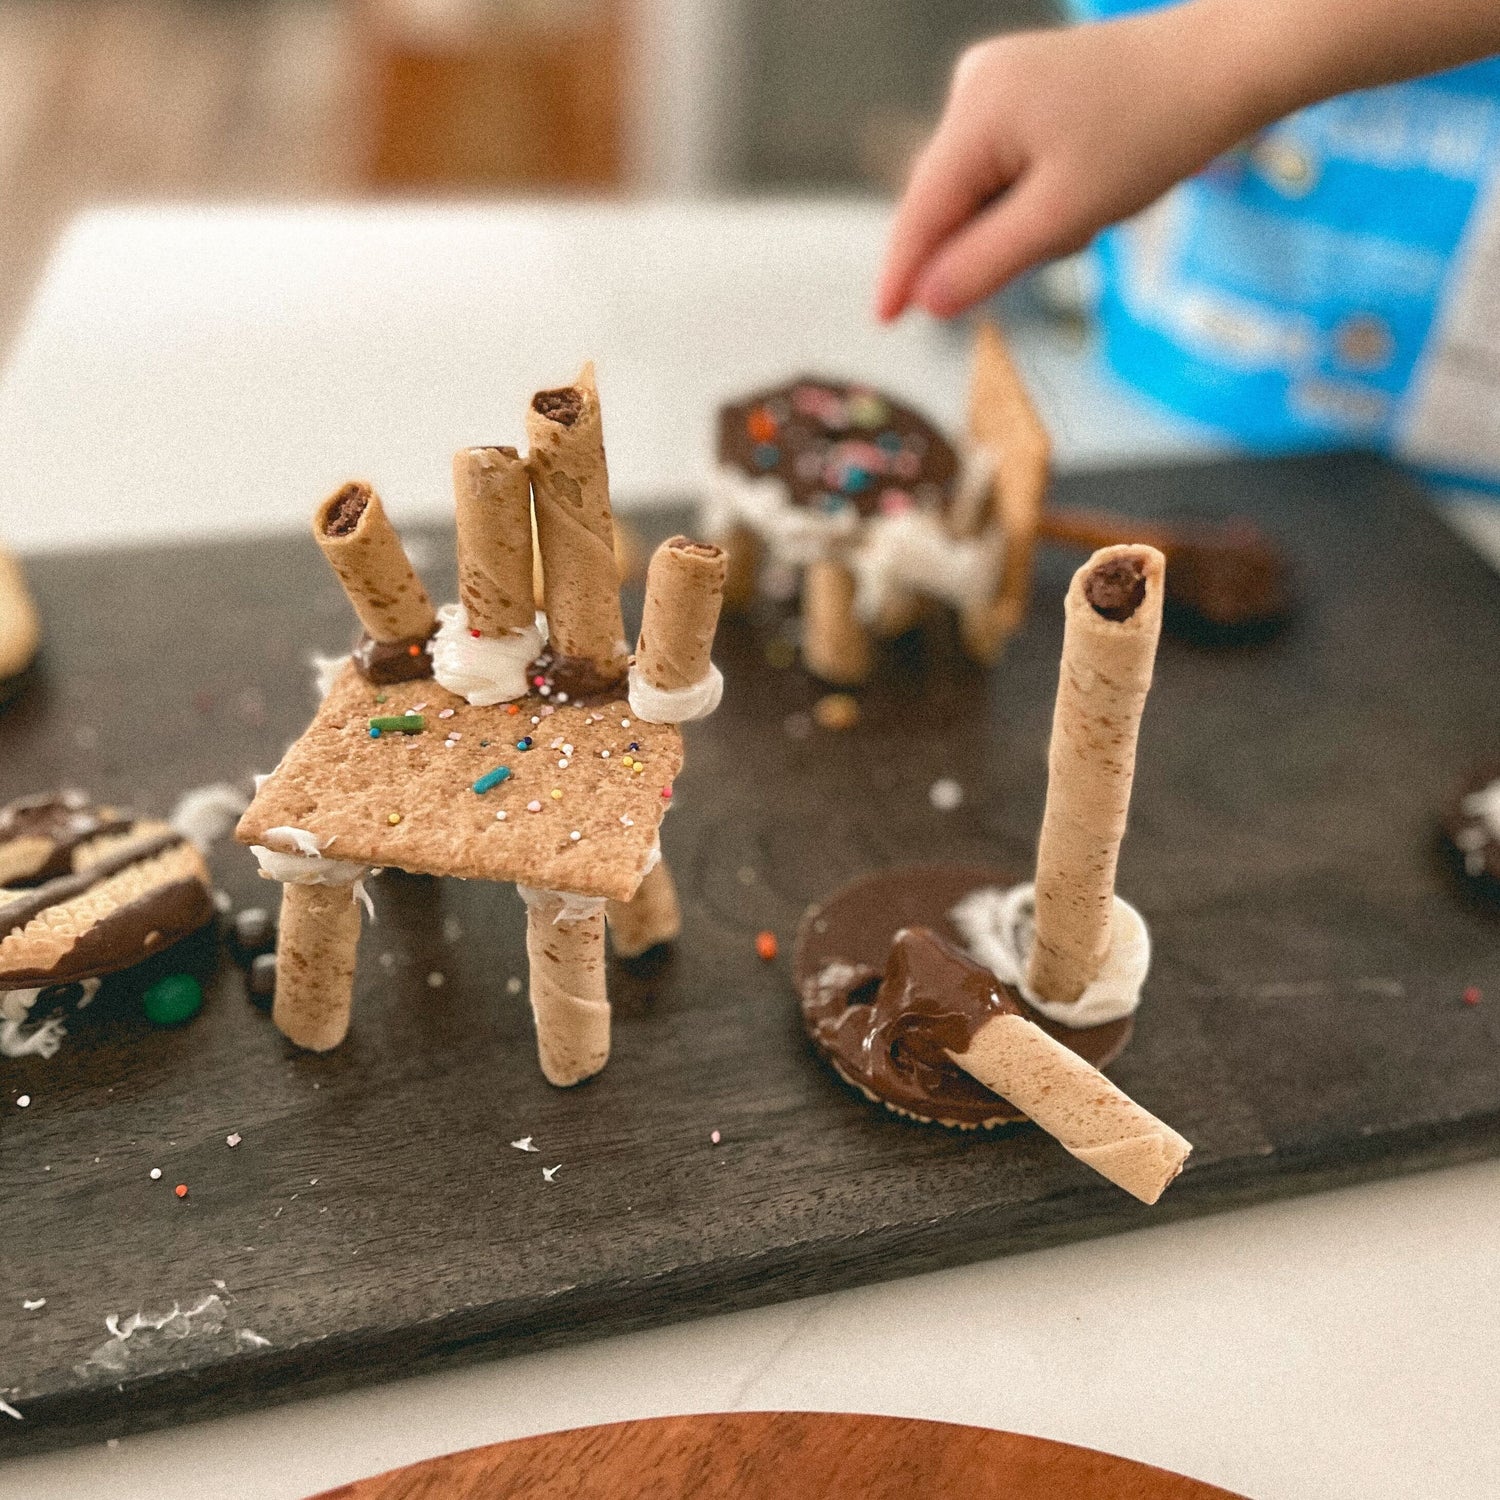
{"x":475,"y":634}
{"x":181,"y":1190}
{"x":1473,"y":995}
{"x":766,"y":945}
{"x":666,"y":792}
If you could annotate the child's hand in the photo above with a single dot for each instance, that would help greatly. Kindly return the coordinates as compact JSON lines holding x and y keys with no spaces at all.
{"x":1047,"y":137}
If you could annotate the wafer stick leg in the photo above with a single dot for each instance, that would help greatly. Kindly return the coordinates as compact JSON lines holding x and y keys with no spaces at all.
{"x":315,"y":956}
{"x":651,"y":916}
{"x":1113,"y":622}
{"x":1076,"y":1104}
{"x":835,"y":646}
{"x":568,"y":994}
{"x":362,"y":548}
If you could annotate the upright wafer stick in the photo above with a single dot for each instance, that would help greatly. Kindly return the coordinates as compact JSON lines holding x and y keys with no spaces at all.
{"x":835,"y":646}
{"x":575,"y":528}
{"x":565,"y":947}
{"x":651,"y":916}
{"x":363,"y":549}
{"x":684,"y":593}
{"x":492,"y":496}
{"x":19,"y":628}
{"x":1113,"y":622}
{"x":315,"y":957}
{"x":1076,"y":1104}
{"x":1005,"y":424}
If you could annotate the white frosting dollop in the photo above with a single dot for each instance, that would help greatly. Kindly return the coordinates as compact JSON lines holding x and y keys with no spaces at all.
{"x":1485,"y":806}
{"x":326,"y":670}
{"x":305,"y":864}
{"x":675,"y":705}
{"x":998,"y":928}
{"x":573,"y":907}
{"x":913,"y":553}
{"x":42,"y":1040}
{"x":483,"y":669}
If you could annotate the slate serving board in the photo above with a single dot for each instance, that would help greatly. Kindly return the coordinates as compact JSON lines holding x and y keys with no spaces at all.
{"x":1305,"y":1023}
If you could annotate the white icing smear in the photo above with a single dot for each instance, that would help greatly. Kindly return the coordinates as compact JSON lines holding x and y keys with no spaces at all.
{"x":483,"y":669}
{"x":998,"y":928}
{"x":1485,"y":805}
{"x":913,"y":553}
{"x":326,"y":671}
{"x":18,"y":1038}
{"x":207,"y":814}
{"x":675,"y":705}
{"x":573,"y":908}
{"x":306,"y":865}
{"x":794,"y":535}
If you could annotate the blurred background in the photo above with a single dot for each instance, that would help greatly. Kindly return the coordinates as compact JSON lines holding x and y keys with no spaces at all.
{"x":288,"y":99}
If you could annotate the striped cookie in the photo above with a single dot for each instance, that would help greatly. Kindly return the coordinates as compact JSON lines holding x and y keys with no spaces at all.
{"x":89,"y":890}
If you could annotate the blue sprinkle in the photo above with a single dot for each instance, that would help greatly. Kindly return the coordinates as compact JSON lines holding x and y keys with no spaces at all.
{"x":767,"y":455}
{"x":374,"y":734}
{"x":524,"y":744}
{"x":833,"y":504}
{"x":492,"y":778}
{"x":856,"y":480}
{"x":890,"y":442}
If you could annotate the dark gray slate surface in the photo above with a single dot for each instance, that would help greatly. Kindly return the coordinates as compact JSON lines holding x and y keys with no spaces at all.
{"x":1304,"y":1025}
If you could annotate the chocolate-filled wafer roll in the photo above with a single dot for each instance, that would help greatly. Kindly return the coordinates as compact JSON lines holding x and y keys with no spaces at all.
{"x":315,"y":957}
{"x":835,"y":645}
{"x":1112,"y":624}
{"x":684,"y":593}
{"x":569,"y":999}
{"x":492,"y":495}
{"x":575,"y":528}
{"x":363,"y":549}
{"x":651,"y":916}
{"x":1075,"y":1104}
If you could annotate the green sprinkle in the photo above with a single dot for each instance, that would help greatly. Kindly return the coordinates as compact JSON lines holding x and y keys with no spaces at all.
{"x":400,"y":723}
{"x":173,"y":1000}
{"x":380,"y":697}
{"x":492,"y":778}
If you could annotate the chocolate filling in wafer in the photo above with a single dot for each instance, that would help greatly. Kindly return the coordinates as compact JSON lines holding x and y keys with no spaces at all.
{"x":348,"y":506}
{"x":1117,"y":587}
{"x":561,"y":406}
{"x":385,"y":662}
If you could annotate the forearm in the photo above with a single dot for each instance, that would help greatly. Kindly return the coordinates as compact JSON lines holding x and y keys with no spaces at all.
{"x":1271,"y":57}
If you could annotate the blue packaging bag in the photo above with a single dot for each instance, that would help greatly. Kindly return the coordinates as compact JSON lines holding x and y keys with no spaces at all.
{"x":1334,"y":281}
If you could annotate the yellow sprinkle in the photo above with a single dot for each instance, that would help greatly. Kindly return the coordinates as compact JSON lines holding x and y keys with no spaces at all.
{"x":627,"y":762}
{"x":556,"y":795}
{"x":638,"y":768}
{"x":394,"y":818}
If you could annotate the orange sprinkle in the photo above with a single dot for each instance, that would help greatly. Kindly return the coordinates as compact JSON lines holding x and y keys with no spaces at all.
{"x":413,"y":650}
{"x":181,"y":1190}
{"x":766,"y":945}
{"x":761,"y":425}
{"x":511,"y":708}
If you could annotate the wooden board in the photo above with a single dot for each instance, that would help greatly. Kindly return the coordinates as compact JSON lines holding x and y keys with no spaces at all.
{"x":766,"y":1455}
{"x":1304,"y":1026}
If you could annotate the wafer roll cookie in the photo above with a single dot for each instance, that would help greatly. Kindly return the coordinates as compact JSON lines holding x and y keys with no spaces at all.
{"x":575,"y":528}
{"x":362,"y":548}
{"x":684,"y":592}
{"x":568,"y":995}
{"x":492,"y":494}
{"x":1075,"y":1104}
{"x":835,"y":646}
{"x":1101,"y":692}
{"x":20,"y":629}
{"x":651,"y":916}
{"x":315,"y":954}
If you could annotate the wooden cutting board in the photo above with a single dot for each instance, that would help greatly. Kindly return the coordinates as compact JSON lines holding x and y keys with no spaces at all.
{"x":771,"y":1455}
{"x":1304,"y":1024}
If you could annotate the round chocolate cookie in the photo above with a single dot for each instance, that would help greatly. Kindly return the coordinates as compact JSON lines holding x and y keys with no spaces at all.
{"x":838,"y":447}
{"x":1471,"y":830}
{"x":840,"y":961}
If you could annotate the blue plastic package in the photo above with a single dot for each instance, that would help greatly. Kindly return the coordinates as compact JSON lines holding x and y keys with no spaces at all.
{"x":1335,"y":281}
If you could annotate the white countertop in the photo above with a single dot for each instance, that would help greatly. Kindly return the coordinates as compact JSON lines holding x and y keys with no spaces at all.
{"x":192,"y":373}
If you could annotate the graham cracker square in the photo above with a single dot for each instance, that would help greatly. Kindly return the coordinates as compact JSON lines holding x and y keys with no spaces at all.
{"x":408,"y":801}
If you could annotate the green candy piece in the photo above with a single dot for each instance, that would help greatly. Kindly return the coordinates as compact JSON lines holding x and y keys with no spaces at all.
{"x":173,"y":1000}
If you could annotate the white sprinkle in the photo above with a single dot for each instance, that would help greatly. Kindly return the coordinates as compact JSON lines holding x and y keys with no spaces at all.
{"x":416,"y":708}
{"x":945,"y":794}
{"x":454,"y":735}
{"x":604,"y":755}
{"x":556,"y":744}
{"x":533,"y":807}
{"x":31,"y":1304}
{"x":524,"y":1144}
{"x":624,"y":723}
{"x":548,"y":711}
{"x":23,"y":1101}
{"x":535,"y":719}
{"x":434,"y":980}
{"x":501,"y":816}
{"x":548,"y":1173}
{"x":446,"y":713}
{"x":627,"y":820}
{"x":233,"y":1140}
{"x":156,"y":1174}
{"x":562,"y":763}
{"x":567,"y":749}
{"x":513,"y":985}
{"x":9,"y":1410}
{"x":544,"y":690}
{"x":562,"y":697}
{"x":575,"y":835}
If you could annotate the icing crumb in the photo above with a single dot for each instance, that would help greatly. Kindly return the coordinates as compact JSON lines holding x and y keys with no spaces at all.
{"x":549,"y":1174}
{"x":233,"y":1140}
{"x":945,"y":794}
{"x":524,"y":1144}
{"x":31,"y":1304}
{"x":23,"y":1102}
{"x":715,"y":1137}
{"x":156,"y":1174}
{"x":435,"y":980}
{"x":513,"y":985}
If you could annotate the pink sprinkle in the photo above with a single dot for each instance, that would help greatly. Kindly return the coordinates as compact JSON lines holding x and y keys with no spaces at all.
{"x":666,"y":792}
{"x":447,"y":713}
{"x":533,"y":807}
{"x":715,"y":1137}
{"x":537,"y":681}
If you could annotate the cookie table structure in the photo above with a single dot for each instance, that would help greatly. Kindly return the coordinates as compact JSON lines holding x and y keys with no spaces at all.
{"x":466,"y":742}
